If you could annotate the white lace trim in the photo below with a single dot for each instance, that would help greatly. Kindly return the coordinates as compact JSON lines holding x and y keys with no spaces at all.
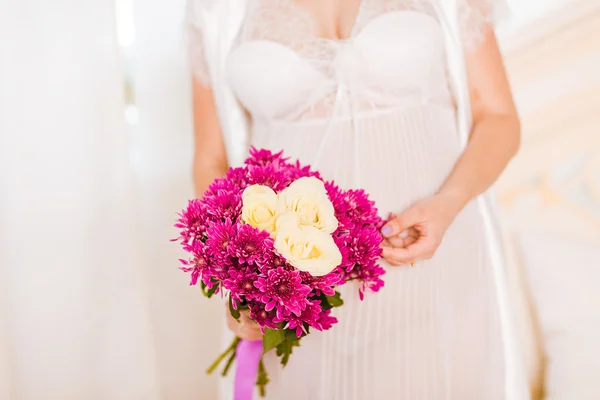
{"x":477,"y":16}
{"x":194,"y":27}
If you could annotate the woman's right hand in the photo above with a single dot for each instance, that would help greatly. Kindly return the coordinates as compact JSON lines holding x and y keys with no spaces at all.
{"x":246,"y":328}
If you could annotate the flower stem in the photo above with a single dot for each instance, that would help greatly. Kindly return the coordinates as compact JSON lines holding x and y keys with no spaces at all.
{"x":262,"y":379}
{"x":219,"y":359}
{"x":228,"y":363}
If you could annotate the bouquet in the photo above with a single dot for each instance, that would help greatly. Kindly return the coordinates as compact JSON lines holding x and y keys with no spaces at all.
{"x":277,"y":240}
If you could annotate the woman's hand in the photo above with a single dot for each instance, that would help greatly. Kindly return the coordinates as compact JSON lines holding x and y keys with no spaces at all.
{"x":246,"y":328}
{"x":418,"y":232}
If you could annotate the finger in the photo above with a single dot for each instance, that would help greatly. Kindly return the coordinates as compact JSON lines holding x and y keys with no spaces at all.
{"x":418,"y":250}
{"x":397,"y":241}
{"x":409,"y":241}
{"x":385,"y":243}
{"x":396,"y":226}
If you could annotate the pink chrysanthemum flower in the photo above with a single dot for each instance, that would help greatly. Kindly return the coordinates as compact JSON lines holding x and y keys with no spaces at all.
{"x":370,"y":278}
{"x":362,"y":246}
{"x":261,"y":316}
{"x":325,"y":321}
{"x":352,"y":208}
{"x":296,"y":171}
{"x":220,"y":238}
{"x":222,"y":184}
{"x":241,"y":285}
{"x":323,"y":284}
{"x":361,"y":209}
{"x":238,"y":177}
{"x":199,"y":265}
{"x":312,"y":316}
{"x":223,"y":205}
{"x":341,"y":207}
{"x":273,"y":260}
{"x":283,"y":291}
{"x":250,"y":245}
{"x":264,"y":157}
{"x":269,"y":176}
{"x":192,"y":222}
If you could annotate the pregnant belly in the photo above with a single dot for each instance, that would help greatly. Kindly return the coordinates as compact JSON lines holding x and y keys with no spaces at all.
{"x":398,"y":157}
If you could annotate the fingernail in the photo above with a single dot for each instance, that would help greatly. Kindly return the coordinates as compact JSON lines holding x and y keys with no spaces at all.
{"x":387,"y":230}
{"x":403,"y":234}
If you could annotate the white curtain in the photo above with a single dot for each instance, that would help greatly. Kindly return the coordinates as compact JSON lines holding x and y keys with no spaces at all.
{"x":91,"y":304}
{"x":187,"y":327}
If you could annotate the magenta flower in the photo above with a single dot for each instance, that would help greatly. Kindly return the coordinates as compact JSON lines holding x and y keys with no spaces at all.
{"x":283,"y":291}
{"x":362,"y":247}
{"x":238,"y":177}
{"x":264,"y":157}
{"x":261,"y":316}
{"x":241,"y":285}
{"x":222,"y":184}
{"x":341,"y":207}
{"x":199,"y":265}
{"x":192,"y":222}
{"x":323,"y":284}
{"x":223,"y":205}
{"x":370,"y":278}
{"x":269,"y":176}
{"x":220,"y":238}
{"x":352,"y":208}
{"x":325,"y":321}
{"x":250,"y":245}
{"x":309,"y":317}
{"x":274,"y":260}
{"x":362,"y":211}
{"x":312,"y":316}
{"x":297,"y":171}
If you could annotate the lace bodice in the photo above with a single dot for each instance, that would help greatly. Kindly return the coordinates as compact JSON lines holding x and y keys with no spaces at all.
{"x":393,"y":55}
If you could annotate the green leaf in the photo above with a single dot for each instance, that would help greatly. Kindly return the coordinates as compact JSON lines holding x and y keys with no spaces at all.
{"x":234,"y":313}
{"x":272,"y":339}
{"x":284,"y":350}
{"x":324,"y":302}
{"x":335,"y":300}
{"x":206,"y":291}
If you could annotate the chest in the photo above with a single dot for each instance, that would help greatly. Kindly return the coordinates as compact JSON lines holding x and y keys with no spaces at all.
{"x":393,"y":50}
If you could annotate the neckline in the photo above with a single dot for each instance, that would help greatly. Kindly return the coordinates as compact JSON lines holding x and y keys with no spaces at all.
{"x":315,"y":23}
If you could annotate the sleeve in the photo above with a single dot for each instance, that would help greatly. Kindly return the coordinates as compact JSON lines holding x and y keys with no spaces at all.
{"x":194,"y":26}
{"x":476,"y":17}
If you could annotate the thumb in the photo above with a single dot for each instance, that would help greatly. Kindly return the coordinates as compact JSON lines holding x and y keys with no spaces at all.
{"x":401,"y":223}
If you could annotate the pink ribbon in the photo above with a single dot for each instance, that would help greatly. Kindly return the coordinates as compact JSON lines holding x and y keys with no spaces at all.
{"x":247,"y":359}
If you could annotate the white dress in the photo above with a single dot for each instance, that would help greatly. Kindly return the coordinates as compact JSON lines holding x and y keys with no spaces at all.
{"x":376,"y":111}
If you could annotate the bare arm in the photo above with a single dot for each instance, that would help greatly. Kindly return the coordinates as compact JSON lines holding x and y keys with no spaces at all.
{"x":496,"y":131}
{"x":210,"y":158}
{"x":494,"y":140}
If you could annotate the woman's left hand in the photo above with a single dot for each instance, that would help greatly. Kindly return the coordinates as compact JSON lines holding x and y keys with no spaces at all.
{"x":429,"y":219}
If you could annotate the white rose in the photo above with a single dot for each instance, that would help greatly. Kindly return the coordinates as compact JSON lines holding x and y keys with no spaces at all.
{"x":308,"y":198}
{"x":307,"y":248}
{"x":259,"y":207}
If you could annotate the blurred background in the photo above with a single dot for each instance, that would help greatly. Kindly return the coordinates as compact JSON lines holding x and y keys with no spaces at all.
{"x":95,"y":160}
